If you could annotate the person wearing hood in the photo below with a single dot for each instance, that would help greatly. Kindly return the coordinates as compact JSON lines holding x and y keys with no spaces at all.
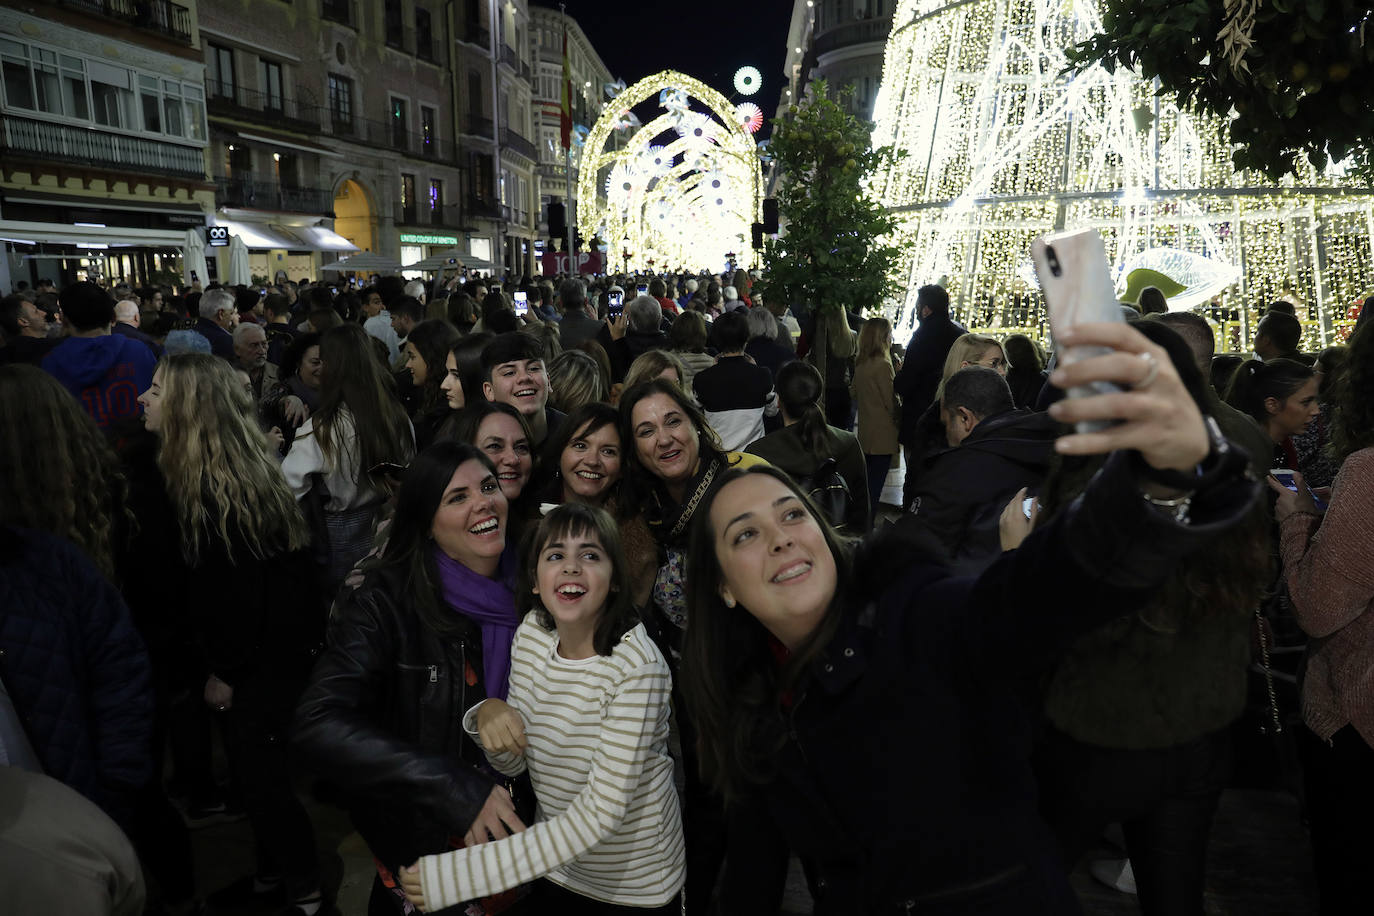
{"x":105,"y":372}
{"x":994,"y":450}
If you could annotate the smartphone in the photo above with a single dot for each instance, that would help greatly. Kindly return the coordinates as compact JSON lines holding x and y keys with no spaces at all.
{"x":615,"y":304}
{"x":334,"y":290}
{"x":194,"y":278}
{"x":1077,"y":283}
{"x":522,"y":303}
{"x":1027,"y":505}
{"x":453,"y":261}
{"x":643,"y":289}
{"x":1285,"y":477}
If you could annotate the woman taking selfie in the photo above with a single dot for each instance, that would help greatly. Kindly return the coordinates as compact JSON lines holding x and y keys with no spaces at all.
{"x":426,"y":637}
{"x":796,"y":650}
{"x":587,"y":716}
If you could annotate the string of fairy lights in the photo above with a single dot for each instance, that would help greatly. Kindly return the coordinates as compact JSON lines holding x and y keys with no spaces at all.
{"x":1002,"y":146}
{"x":682,"y":189}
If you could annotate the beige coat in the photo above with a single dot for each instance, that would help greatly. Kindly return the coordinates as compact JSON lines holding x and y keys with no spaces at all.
{"x":877,"y":407}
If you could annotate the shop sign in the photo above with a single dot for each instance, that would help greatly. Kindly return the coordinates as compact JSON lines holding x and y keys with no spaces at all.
{"x":217,"y":236}
{"x":413,"y":239}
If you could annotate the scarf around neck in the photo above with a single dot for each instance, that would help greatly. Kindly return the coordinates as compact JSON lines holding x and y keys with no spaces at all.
{"x":669,"y":522}
{"x":490,"y":603}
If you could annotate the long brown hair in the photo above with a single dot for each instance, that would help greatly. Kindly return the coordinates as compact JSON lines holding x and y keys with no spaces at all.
{"x":218,"y":465}
{"x":57,"y":472}
{"x":1352,"y":424}
{"x":353,"y":378}
{"x":733,"y":686}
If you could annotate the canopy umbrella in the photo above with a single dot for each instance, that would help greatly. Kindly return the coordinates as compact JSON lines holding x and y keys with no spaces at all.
{"x":441,"y":259}
{"x":193,"y":257}
{"x":366,"y":261}
{"x":234,"y":263}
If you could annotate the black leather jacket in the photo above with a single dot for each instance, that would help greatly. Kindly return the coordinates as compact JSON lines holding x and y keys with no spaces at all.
{"x":381,"y":720}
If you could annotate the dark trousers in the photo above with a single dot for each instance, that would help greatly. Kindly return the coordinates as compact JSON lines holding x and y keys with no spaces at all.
{"x":703,"y":817}
{"x":1164,"y":800}
{"x":256,"y":744}
{"x":878,"y":466}
{"x":839,"y":408}
{"x":1340,"y":809}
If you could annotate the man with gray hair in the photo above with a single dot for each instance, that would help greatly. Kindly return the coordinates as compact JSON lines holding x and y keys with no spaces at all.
{"x":579,"y":322}
{"x":218,"y":317}
{"x":127,"y":322}
{"x":416,"y":289}
{"x":639,"y":333}
{"x":250,"y":352}
{"x":732,"y":301}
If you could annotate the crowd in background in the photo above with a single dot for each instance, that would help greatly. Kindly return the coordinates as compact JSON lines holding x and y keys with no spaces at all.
{"x":437,"y":545}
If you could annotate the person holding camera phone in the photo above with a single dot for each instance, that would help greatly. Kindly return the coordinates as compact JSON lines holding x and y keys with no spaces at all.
{"x":798,"y":644}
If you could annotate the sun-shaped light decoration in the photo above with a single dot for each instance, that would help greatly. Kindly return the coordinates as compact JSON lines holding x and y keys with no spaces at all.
{"x":749,"y":116}
{"x":683,"y":188}
{"x":748,"y":80}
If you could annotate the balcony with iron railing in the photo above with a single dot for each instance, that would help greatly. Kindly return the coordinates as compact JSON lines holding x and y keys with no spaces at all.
{"x":390,"y":135}
{"x":517,"y":144}
{"x":422,"y":215}
{"x":340,"y":11}
{"x":270,"y":195}
{"x":170,"y":19}
{"x":225,"y":100}
{"x":474,"y":33}
{"x":27,"y":138}
{"x":509,"y":57}
{"x":483,"y":207}
{"x":853,"y":33}
{"x":477,"y":126}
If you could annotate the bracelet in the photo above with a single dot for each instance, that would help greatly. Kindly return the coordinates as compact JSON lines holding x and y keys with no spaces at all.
{"x":1177,"y":507}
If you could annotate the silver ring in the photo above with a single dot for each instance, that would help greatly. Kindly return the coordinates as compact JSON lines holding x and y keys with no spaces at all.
{"x":220,"y":708}
{"x":1150,"y":376}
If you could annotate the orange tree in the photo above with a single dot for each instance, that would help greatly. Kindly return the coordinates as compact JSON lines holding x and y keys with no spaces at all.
{"x":833,"y":253}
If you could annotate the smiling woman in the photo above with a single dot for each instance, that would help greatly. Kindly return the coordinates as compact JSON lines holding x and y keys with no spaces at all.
{"x":426,"y":636}
{"x":798,"y":646}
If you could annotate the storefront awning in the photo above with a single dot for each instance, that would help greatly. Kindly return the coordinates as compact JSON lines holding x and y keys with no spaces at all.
{"x":268,"y":236}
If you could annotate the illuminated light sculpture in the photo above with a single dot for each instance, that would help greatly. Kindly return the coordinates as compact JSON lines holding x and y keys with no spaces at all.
{"x":684,"y":188}
{"x":748,"y":80}
{"x":749,"y":116}
{"x":1002,"y":146}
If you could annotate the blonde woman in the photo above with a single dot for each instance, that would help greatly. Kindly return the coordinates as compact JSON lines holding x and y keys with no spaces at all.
{"x":250,"y":587}
{"x":928,"y":437}
{"x":832,"y":349}
{"x":575,"y":379}
{"x":653,"y":364}
{"x":877,"y":404}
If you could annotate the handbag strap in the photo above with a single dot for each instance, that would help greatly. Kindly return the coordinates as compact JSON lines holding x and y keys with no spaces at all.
{"x":1261,"y":626}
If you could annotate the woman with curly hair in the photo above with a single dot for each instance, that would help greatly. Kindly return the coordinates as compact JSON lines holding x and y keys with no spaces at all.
{"x":1327,"y":559}
{"x":348,"y":445}
{"x":46,"y":428}
{"x":243,"y":541}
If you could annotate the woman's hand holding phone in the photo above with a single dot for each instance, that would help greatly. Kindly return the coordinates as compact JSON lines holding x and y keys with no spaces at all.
{"x":1154,"y":413}
{"x":1292,"y":501}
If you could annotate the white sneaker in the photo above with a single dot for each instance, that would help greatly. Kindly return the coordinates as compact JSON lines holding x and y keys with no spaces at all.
{"x":1115,"y":873}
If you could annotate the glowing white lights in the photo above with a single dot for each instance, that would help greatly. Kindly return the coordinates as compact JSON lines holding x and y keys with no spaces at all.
{"x":1002,"y":147}
{"x":749,"y":116}
{"x":748,"y":80}
{"x":683,"y":188}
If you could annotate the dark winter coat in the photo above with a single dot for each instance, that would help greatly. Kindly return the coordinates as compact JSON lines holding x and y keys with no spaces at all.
{"x":925,"y":356}
{"x":106,"y":374}
{"x":75,"y":669}
{"x":961,"y":492}
{"x":382,"y":721}
{"x":221,"y":341}
{"x":903,"y":775}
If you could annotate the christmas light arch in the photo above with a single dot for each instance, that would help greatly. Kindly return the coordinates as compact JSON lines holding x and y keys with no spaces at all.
{"x":685,"y":203}
{"x":1002,"y":146}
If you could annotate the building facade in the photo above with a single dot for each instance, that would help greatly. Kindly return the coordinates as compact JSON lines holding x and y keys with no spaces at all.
{"x":331,"y":129}
{"x":589,"y":76}
{"x":841,"y":42}
{"x":102,"y":140}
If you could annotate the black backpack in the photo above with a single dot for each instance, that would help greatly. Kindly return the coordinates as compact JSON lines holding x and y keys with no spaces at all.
{"x":829,"y":491}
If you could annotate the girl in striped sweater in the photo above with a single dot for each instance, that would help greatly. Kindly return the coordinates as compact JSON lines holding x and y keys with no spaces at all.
{"x":587,"y":715}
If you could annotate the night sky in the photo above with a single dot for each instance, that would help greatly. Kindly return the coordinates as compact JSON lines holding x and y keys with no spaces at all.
{"x":707,"y":39}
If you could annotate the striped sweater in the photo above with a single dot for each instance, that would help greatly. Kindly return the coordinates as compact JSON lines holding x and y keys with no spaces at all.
{"x":1330,"y":567}
{"x":608,"y":824}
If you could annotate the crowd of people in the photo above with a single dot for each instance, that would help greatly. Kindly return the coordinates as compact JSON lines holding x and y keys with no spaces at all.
{"x":582,"y":596}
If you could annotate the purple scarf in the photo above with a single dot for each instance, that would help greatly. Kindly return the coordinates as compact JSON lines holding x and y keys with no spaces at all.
{"x":491,"y":604}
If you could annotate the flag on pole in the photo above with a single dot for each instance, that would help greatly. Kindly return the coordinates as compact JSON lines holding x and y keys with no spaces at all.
{"x":565,"y":115}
